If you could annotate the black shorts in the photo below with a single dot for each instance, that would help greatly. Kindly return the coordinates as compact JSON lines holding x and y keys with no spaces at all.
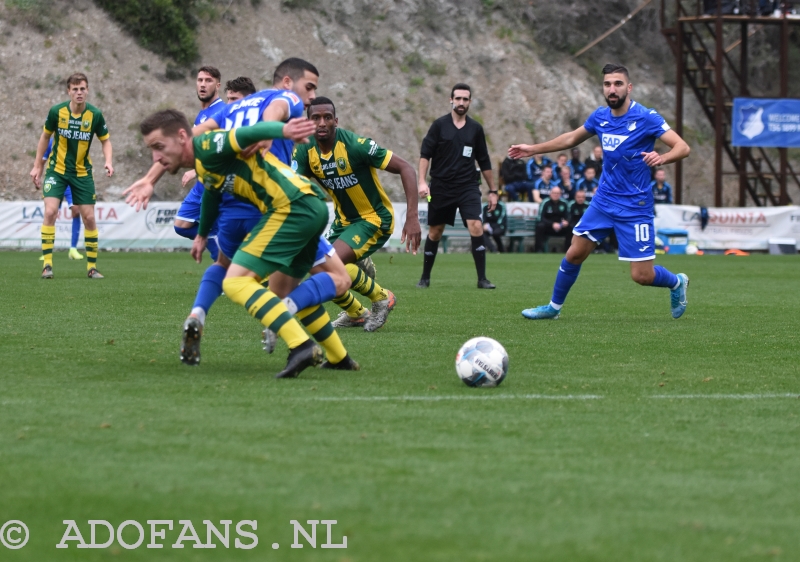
{"x":442,"y":207}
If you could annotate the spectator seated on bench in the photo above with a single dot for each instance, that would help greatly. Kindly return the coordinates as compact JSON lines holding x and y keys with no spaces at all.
{"x":515,"y":181}
{"x":553,"y":218}
{"x":494,"y":227}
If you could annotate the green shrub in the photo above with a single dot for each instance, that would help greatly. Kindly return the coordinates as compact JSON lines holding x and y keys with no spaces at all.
{"x":166,"y":27}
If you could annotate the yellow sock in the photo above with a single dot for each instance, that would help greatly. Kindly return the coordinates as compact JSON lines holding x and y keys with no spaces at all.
{"x":365,"y":285}
{"x":48,"y":240}
{"x":90,"y":240}
{"x":318,"y":324}
{"x":350,"y":304}
{"x":263,"y":305}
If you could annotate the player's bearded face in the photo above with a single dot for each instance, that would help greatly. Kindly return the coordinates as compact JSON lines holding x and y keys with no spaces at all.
{"x":615,"y":90}
{"x":206,"y":87}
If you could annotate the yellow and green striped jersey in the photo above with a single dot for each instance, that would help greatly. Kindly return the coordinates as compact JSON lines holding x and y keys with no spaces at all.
{"x":350,"y":176}
{"x":73,"y":138}
{"x":263,"y":181}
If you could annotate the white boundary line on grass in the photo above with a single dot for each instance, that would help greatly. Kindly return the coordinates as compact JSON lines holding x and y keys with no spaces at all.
{"x":406,"y":398}
{"x":724,"y":396}
{"x":457,"y":397}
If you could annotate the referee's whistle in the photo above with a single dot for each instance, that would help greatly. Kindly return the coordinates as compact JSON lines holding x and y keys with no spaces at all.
{"x":428,"y":198}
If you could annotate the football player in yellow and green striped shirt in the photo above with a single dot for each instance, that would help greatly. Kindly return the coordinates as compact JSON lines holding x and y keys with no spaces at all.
{"x":283,"y":245}
{"x":346,"y":166}
{"x":74,"y":124}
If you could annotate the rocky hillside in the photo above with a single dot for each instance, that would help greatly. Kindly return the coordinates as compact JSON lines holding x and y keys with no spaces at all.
{"x":389,"y":66}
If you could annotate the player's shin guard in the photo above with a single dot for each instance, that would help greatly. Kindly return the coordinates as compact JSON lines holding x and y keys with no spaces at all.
{"x":263,"y":305}
{"x":48,"y":240}
{"x":479,"y":255}
{"x":431,"y":249}
{"x":318,"y":324}
{"x":567,"y":275}
{"x":665,"y":278}
{"x":76,"y":231}
{"x":90,"y":241}
{"x":209,"y":291}
{"x":317,"y":289}
{"x":365,"y":285}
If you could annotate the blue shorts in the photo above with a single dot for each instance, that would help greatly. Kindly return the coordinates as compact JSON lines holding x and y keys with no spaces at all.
{"x":324,"y":249}
{"x":189,"y":210}
{"x":636,"y":236}
{"x":68,"y":196}
{"x":230,"y":232}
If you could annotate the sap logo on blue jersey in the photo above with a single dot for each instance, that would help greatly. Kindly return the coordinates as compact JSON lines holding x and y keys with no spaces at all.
{"x":611,"y":142}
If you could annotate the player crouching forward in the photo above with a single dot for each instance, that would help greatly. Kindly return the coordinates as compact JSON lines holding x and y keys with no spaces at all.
{"x":284,"y":243}
{"x":346,"y":166}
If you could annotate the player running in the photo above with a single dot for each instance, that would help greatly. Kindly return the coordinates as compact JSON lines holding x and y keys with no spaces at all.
{"x":346,"y":166}
{"x":74,"y":123}
{"x":624,"y":200}
{"x":284,"y":243}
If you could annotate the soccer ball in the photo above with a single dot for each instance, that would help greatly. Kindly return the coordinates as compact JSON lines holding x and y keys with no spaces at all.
{"x":482,"y":362}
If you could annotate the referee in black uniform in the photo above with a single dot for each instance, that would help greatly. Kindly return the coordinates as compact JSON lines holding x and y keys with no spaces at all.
{"x":455,"y":142}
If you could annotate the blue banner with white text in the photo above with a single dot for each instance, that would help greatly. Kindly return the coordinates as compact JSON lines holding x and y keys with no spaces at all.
{"x":766,"y":122}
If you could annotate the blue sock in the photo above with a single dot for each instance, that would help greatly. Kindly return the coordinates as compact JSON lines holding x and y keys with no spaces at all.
{"x":76,"y":231}
{"x":189,"y":233}
{"x":317,"y":289}
{"x":567,"y":275}
{"x":210,"y":289}
{"x":664,"y":278}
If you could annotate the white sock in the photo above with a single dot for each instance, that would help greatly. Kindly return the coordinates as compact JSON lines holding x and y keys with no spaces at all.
{"x":200,"y":314}
{"x":290,"y":304}
{"x":556,"y":306}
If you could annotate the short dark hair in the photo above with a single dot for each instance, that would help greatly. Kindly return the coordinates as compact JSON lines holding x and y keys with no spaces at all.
{"x":321,"y":100}
{"x":460,"y":86}
{"x":212,"y":70}
{"x":77,"y":78}
{"x":170,"y":121}
{"x":241,"y":85}
{"x":612,"y":68}
{"x":294,"y":68}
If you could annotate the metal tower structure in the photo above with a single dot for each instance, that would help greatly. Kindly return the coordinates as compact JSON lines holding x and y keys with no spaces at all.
{"x":712,"y":71}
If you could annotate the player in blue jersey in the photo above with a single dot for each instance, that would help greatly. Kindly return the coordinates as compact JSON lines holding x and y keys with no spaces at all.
{"x":74,"y":254}
{"x":624,"y":201}
{"x":186,"y":220}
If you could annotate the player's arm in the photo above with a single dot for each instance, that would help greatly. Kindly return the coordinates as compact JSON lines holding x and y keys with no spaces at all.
{"x":139,"y":193}
{"x":561,"y":142}
{"x":678,"y":150}
{"x":38,"y":161}
{"x":412,"y":232}
{"x":108,"y":155}
{"x":297,"y":130}
{"x":209,"y":124}
{"x":426,"y":152}
{"x":422,"y":186}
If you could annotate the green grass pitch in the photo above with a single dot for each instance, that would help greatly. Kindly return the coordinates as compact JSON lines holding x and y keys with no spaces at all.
{"x":620,"y":434}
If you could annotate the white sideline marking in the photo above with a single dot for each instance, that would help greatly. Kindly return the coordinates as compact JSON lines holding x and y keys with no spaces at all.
{"x":726,"y":396}
{"x":458,"y":397}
